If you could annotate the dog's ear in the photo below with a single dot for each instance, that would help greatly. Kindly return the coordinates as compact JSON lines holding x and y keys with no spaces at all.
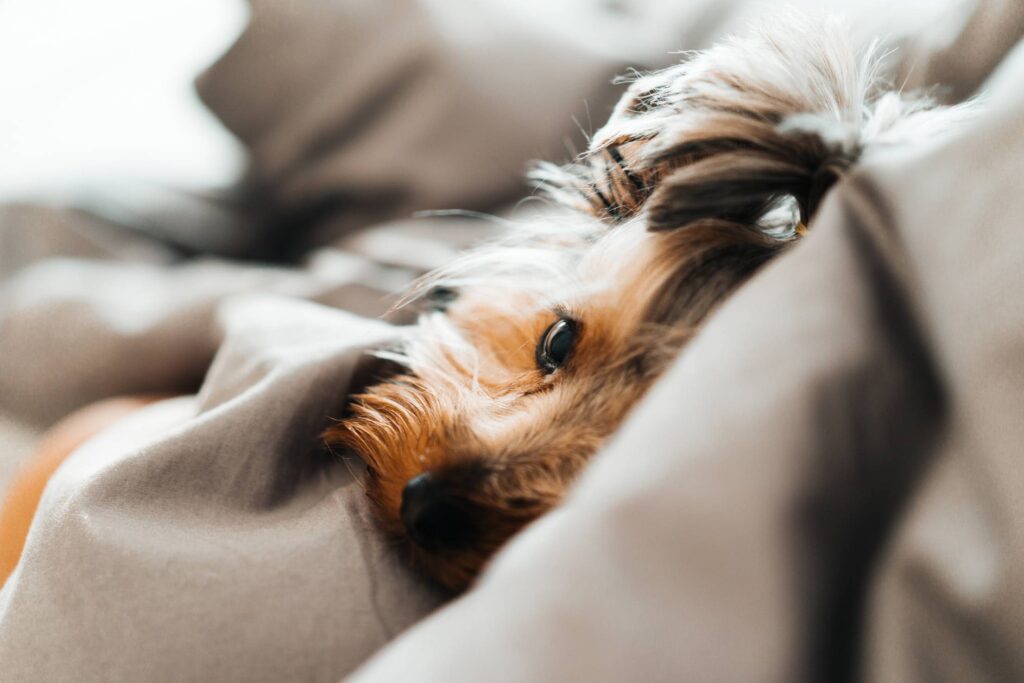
{"x":736,"y":168}
{"x":713,"y":165}
{"x":733,"y":131}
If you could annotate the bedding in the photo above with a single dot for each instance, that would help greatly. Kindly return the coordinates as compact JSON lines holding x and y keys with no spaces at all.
{"x":829,"y":484}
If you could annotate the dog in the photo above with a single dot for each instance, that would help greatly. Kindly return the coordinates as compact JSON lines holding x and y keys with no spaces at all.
{"x":536,"y":347}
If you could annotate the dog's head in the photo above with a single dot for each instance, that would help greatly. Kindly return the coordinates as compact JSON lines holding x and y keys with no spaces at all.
{"x":539,"y":345}
{"x":512,"y":387}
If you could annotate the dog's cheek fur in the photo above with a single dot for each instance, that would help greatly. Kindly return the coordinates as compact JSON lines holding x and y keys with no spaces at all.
{"x":392,"y":427}
{"x":529,"y":454}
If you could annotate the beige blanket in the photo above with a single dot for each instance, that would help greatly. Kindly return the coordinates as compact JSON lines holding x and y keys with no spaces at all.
{"x":824,"y":486}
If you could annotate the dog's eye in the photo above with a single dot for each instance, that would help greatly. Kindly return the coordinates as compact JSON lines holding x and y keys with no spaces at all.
{"x":441,"y":298}
{"x":555,"y":345}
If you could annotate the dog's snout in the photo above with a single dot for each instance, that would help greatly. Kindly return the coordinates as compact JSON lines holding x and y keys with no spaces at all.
{"x":435,"y":519}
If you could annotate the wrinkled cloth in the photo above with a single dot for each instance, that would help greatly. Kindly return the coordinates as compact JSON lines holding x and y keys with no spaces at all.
{"x":212,"y":537}
{"x":363,"y":110}
{"x":823,"y":486}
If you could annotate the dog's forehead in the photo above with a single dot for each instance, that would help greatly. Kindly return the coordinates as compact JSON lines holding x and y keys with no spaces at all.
{"x":604,"y":284}
{"x":616,"y":250}
{"x":619,"y":274}
{"x":505,"y":307}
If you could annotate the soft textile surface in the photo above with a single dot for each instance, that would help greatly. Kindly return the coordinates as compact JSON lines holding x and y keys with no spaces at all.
{"x":823,"y":486}
{"x":17,"y":441}
{"x":212,"y":537}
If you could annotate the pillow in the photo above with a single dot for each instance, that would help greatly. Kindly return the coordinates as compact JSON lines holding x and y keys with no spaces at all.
{"x":358,"y":111}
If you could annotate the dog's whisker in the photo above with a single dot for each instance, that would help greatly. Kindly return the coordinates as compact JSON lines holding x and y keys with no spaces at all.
{"x":358,"y":478}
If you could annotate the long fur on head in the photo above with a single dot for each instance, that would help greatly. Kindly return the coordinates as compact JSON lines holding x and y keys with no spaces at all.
{"x":674,"y":205}
{"x":732,"y":131}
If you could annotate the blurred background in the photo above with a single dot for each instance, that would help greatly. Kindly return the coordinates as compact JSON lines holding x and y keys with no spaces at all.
{"x":100,"y":95}
{"x":103,"y":91}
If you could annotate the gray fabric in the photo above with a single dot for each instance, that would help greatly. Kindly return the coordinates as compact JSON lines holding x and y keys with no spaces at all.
{"x":145,"y":327}
{"x":213,"y":538}
{"x":823,"y":486}
{"x":960,"y":53}
{"x":17,"y":442}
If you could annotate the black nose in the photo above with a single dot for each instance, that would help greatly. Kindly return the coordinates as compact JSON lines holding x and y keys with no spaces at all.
{"x":435,"y":519}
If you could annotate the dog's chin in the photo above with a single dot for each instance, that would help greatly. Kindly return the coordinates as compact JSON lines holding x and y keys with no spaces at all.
{"x":447,"y":552}
{"x":454,"y":571}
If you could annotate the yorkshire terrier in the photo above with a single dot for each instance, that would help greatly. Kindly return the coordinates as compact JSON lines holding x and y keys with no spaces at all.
{"x":539,"y":345}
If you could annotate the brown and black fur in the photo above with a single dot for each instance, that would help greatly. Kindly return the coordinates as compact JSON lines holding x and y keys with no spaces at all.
{"x":704,"y":172}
